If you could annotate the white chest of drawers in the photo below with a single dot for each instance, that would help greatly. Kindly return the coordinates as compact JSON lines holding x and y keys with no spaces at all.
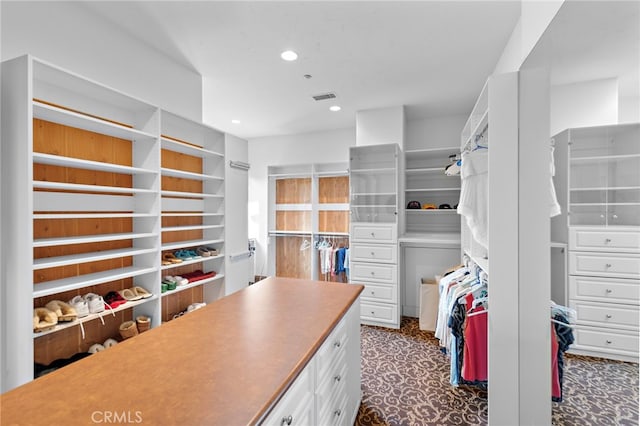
{"x":604,"y":289}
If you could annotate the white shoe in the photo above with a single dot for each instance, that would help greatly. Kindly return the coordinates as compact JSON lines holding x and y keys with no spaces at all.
{"x":109,"y":342}
{"x":96,"y":347}
{"x":195,"y":306}
{"x":80,"y":305}
{"x":95,"y":302}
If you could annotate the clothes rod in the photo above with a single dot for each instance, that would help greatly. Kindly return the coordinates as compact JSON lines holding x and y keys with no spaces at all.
{"x":241,"y":255}
{"x":239,"y":165}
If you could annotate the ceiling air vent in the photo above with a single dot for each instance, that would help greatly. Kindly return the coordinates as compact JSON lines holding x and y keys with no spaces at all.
{"x":324,"y":96}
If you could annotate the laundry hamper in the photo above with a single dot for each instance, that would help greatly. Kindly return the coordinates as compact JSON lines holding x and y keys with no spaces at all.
{"x":428,"y":304}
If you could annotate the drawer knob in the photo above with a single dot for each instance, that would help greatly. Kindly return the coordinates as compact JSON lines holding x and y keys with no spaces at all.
{"x":337,"y":412}
{"x":287,"y":420}
{"x":608,"y":316}
{"x":373,"y":234}
{"x":373,"y":273}
{"x":336,"y":344}
{"x":608,"y":265}
{"x":373,"y":253}
{"x":373,"y":292}
{"x":607,"y":240}
{"x":337,"y":378}
{"x":609,"y":291}
{"x":373,"y":312}
{"x":609,"y":342}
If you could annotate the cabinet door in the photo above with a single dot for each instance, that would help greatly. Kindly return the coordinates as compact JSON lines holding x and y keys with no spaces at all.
{"x":296,"y":407}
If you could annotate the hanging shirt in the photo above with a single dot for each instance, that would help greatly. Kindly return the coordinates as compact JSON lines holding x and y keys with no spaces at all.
{"x":474,"y":194}
{"x":475,"y":359}
{"x":555,"y":209}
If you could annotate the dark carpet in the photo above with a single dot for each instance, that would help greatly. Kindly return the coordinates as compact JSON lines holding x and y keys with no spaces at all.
{"x":405,"y":381}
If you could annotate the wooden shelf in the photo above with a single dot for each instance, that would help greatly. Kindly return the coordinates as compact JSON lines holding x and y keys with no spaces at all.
{"x":48,"y":288}
{"x":64,"y":325}
{"x":51,"y":262}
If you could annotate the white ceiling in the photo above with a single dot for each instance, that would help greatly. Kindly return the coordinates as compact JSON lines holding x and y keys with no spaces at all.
{"x":431,"y":56}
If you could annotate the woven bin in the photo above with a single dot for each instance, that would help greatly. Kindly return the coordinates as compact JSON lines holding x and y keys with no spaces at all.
{"x":144,"y":323}
{"x":128,"y":329}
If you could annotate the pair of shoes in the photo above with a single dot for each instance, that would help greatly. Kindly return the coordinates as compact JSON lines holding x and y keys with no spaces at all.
{"x":113,"y":299}
{"x":128,"y":329}
{"x":134,"y":293}
{"x":195,"y":306}
{"x":63,"y":310}
{"x":88,"y":304}
{"x":143,"y":323}
{"x":187,"y":255}
{"x":206,"y":251}
{"x":170,"y":258}
{"x":44,"y":319}
{"x":97,"y":347}
{"x":176,"y":279}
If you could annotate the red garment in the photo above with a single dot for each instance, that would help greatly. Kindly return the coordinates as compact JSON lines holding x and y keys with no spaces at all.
{"x":555,"y":379}
{"x":474,"y":362}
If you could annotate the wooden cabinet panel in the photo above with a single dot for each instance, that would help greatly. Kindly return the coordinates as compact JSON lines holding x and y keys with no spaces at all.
{"x":293,"y":191}
{"x":333,"y":189}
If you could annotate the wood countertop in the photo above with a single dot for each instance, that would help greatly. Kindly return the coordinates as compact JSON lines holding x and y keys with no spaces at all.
{"x":225,"y":364}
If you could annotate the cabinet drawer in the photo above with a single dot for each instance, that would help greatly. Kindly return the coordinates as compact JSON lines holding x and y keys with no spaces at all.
{"x":604,"y":264}
{"x":607,"y":341}
{"x":604,"y":240}
{"x":373,"y":233}
{"x":332,"y":383}
{"x":369,"y":272}
{"x":374,"y":252}
{"x":610,"y":290}
{"x":378,"y":312}
{"x":297,"y":402}
{"x":607,"y":315}
{"x":380,"y":293}
{"x":331,"y":349}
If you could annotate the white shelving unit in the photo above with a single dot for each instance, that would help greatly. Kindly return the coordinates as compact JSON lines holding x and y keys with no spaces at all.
{"x":84,"y":186}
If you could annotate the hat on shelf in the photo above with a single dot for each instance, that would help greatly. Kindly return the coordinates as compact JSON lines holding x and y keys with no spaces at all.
{"x":429,"y":206}
{"x":413,"y":205}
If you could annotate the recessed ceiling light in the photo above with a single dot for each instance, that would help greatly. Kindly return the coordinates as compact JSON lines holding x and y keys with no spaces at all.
{"x":289,"y":55}
{"x":335,"y":108}
{"x":235,"y":121}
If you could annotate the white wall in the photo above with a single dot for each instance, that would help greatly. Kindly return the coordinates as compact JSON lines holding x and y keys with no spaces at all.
{"x":629,"y":109}
{"x":307,"y":148}
{"x":589,"y":103}
{"x":238,"y":274}
{"x":380,"y":126}
{"x":70,"y":36}
{"x":437,"y":132}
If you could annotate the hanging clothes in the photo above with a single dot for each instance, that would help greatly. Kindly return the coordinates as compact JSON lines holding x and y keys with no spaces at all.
{"x":475,"y":359}
{"x":554,"y":206}
{"x":474,"y":193}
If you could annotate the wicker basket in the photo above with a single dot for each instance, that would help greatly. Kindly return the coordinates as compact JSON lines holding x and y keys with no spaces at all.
{"x":128,"y":329}
{"x":144,"y":323}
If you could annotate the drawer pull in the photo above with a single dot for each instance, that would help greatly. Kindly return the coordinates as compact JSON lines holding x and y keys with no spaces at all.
{"x":608,"y":265}
{"x":373,"y":253}
{"x":609,"y":291}
{"x":336,"y":344}
{"x":337,"y":378}
{"x":373,"y":292}
{"x":608,"y":316}
{"x":373,"y":273}
{"x":607,"y":240}
{"x":337,"y":412}
{"x":287,"y":420}
{"x":373,"y":234}
{"x":609,"y":342}
{"x":373,"y":312}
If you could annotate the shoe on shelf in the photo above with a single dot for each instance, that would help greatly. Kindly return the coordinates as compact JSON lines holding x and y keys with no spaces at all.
{"x":212,"y":251}
{"x":193,"y":254}
{"x":202,"y":251}
{"x":80,"y":305}
{"x":129,"y":295}
{"x":113,"y":299}
{"x":143,"y":322}
{"x":109,"y":342}
{"x":95,"y":302}
{"x":128,"y":329}
{"x":195,"y":306}
{"x":44,"y":319}
{"x":95,"y":348}
{"x":141,"y":291}
{"x":183,"y":255}
{"x":171,"y":258}
{"x":63,"y":310}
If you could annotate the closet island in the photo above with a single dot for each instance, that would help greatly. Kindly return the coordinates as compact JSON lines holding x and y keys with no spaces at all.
{"x":282,"y":351}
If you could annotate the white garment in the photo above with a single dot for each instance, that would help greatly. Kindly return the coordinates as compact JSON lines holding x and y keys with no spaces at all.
{"x":553,"y":199}
{"x":346,"y":259}
{"x":474,"y":194}
{"x":325,"y":259}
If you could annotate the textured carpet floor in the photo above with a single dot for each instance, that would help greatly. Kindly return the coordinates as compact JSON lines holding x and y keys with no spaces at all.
{"x":405,"y":381}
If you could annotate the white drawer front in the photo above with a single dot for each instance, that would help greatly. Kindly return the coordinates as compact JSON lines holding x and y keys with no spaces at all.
{"x":380,"y":293}
{"x":604,"y":240}
{"x":364,"y":272}
{"x":297,"y":401}
{"x":332,"y":383}
{"x":334,"y":413}
{"x":375,"y":253}
{"x":378,"y":312}
{"x":610,"y":290}
{"x":331,"y":349}
{"x":607,"y":315}
{"x":371,"y":233}
{"x":605,"y":264}
{"x":606,"y":341}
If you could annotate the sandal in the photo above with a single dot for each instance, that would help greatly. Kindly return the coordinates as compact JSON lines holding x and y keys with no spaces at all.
{"x":171,"y":258}
{"x":129,"y":294}
{"x":202,"y":251}
{"x":113,"y":300}
{"x":63,"y":310}
{"x":44,"y":319}
{"x":183,"y":255}
{"x":142,"y":292}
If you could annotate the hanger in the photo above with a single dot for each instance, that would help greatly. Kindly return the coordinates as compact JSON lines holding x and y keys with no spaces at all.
{"x":305,"y":245}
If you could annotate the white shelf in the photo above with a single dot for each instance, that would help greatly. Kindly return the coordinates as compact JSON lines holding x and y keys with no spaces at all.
{"x":293,"y":207}
{"x":198,"y":214}
{"x":333,"y":206}
{"x":366,"y":206}
{"x":430,"y":151}
{"x":432,"y":189}
{"x":189,"y":175}
{"x":384,"y":194}
{"x":332,"y":174}
{"x":190,"y":228}
{"x":188,"y":149}
{"x":192,"y":261}
{"x":73,"y":283}
{"x":63,"y":186}
{"x":606,"y":188}
{"x":484,"y":120}
{"x":290,"y":175}
{"x":91,"y":215}
{"x":431,"y":211}
{"x":188,"y":244}
{"x":603,"y":204}
{"x":369,"y":171}
{"x":50,"y":262}
{"x":81,"y":121}
{"x":180,"y":194}
{"x":64,"y":325}
{"x":599,"y":158}
{"x":193,"y":284}
{"x":302,"y":233}
{"x":58,"y":160}
{"x":425,"y":170}
{"x":82,"y":239}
